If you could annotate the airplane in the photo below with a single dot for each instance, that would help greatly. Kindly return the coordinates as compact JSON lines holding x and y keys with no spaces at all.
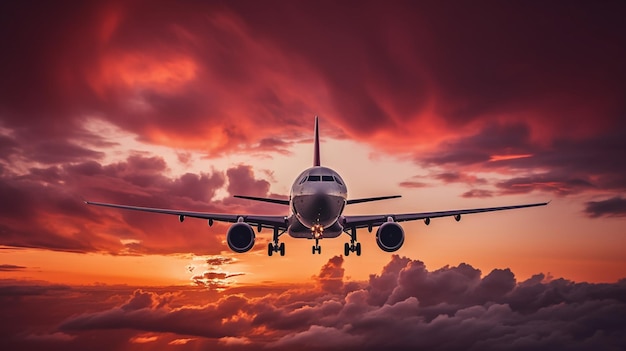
{"x":316,"y":202}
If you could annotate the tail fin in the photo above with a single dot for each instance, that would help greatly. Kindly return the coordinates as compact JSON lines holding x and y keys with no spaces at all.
{"x":316,"y":145}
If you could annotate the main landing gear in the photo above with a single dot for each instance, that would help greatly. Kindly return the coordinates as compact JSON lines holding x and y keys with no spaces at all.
{"x":271,"y":248}
{"x":353,"y":246}
{"x":275,"y":246}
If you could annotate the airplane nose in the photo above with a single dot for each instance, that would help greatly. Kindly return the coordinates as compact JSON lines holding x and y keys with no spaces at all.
{"x":318,"y":208}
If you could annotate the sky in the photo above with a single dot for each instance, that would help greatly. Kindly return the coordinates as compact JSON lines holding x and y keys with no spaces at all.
{"x":184,"y":104}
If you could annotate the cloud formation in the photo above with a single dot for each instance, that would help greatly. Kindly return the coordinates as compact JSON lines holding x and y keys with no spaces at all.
{"x":47,"y":210}
{"x":405,"y":306}
{"x":613,"y":207}
{"x":10,"y":267}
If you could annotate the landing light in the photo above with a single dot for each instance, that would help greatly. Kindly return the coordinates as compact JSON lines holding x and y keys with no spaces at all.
{"x":318,"y":231}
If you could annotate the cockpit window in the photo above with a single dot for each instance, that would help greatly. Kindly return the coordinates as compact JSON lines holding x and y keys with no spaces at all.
{"x":321,"y":178}
{"x":302,"y":180}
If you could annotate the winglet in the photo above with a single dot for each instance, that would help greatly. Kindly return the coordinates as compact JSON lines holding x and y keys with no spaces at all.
{"x":316,"y":145}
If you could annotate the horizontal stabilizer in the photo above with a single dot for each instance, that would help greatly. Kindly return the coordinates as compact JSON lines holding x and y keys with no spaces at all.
{"x":264,"y":199}
{"x":369,"y":199}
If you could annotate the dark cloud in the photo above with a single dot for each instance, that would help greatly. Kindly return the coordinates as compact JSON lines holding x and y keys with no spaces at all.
{"x":144,"y":68}
{"x":273,"y":145}
{"x":147,"y":67}
{"x":13,"y":289}
{"x":404,"y":307}
{"x":492,"y":139}
{"x":56,"y":193}
{"x":241,"y":181}
{"x":412,"y":184}
{"x":143,"y":299}
{"x":561,"y":166}
{"x":216,"y":261}
{"x":457,"y":177}
{"x":10,"y":267}
{"x":8,"y":146}
{"x":550,"y":183}
{"x":215,"y":280}
{"x":60,"y":151}
{"x":480,"y":193}
{"x":613,"y":207}
{"x":330,"y":277}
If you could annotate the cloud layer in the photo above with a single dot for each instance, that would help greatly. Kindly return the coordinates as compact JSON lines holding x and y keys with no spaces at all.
{"x":47,"y":210}
{"x":529,"y":100}
{"x":477,"y":89}
{"x":405,"y":306}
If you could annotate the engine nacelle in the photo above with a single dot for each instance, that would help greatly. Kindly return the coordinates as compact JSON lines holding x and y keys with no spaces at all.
{"x":240,"y":237}
{"x":390,"y":236}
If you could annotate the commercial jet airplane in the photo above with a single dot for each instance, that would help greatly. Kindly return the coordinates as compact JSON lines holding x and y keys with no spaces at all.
{"x":317,"y":200}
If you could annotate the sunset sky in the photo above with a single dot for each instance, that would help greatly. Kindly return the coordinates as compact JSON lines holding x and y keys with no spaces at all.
{"x":182,"y":104}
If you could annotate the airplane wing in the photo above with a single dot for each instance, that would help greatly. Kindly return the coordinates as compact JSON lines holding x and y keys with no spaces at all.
{"x":268,"y":221}
{"x":369,"y":199}
{"x":264,"y":199}
{"x":376,"y":220}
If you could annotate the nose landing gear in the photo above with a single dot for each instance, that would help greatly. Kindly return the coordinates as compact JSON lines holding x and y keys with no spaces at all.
{"x":316,"y":247}
{"x":317,"y":231}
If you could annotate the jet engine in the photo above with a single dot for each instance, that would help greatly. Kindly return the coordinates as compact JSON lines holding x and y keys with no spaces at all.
{"x":240,"y":237}
{"x":390,"y":236}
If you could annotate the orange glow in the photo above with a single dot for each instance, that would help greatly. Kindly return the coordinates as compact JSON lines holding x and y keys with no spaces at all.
{"x":496,"y":158}
{"x":142,"y":339}
{"x":138,"y":70}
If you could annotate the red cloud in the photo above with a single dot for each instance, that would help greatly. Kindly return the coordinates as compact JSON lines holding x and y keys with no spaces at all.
{"x":57,"y":219}
{"x":468,"y":89}
{"x":331,"y":275}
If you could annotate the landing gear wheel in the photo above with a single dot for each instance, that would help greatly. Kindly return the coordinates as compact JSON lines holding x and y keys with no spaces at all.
{"x":358,"y":249}
{"x":270,"y":249}
{"x":316,"y":248}
{"x":346,"y":249}
{"x":281,"y":248}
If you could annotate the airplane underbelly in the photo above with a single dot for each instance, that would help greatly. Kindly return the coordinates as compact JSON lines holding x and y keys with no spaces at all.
{"x":297,"y":230}
{"x":318,"y":209}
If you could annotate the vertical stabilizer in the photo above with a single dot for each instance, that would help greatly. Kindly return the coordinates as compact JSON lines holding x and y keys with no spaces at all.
{"x":316,"y":145}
